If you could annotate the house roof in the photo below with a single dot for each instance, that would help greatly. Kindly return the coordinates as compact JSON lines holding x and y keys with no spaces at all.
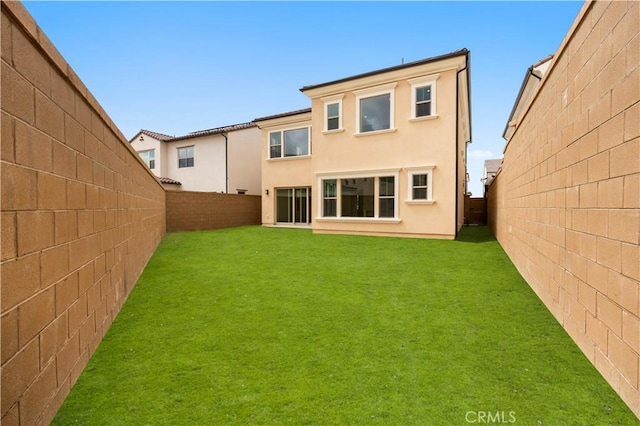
{"x":284,"y":114}
{"x":156,"y":135}
{"x":215,"y":131}
{"x":389,"y":69}
{"x":492,"y":166}
{"x":168,"y":181}
{"x":531,"y":80}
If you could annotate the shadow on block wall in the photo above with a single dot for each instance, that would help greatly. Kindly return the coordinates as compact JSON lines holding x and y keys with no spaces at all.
{"x":81,"y":216}
{"x":566,"y":206}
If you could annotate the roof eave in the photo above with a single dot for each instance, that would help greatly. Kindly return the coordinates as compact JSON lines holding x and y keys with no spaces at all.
{"x":461,"y":52}
{"x":283,"y":115}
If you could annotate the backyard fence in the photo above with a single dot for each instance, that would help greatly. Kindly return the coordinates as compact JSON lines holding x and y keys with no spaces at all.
{"x":565,"y":204}
{"x":196,"y":211}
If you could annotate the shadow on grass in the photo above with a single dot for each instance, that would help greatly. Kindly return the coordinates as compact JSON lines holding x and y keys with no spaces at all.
{"x":475,"y":234}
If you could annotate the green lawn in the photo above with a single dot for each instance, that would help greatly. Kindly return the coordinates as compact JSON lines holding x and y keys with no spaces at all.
{"x":272,"y":326}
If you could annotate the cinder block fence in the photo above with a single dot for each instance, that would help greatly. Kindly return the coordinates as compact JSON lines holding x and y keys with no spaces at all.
{"x":566,"y":204}
{"x":81,"y":216}
{"x":194,"y":211}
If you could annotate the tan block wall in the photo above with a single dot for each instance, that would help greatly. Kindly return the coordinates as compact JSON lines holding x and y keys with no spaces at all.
{"x":566,"y":204}
{"x":196,"y":211}
{"x":81,"y":216}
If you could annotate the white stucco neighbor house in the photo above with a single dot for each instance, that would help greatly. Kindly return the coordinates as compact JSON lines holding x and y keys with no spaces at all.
{"x":528,"y":87}
{"x":491,"y":168}
{"x":223,"y":159}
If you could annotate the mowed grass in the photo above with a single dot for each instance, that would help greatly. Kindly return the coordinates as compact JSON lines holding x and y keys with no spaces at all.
{"x":280,"y":326}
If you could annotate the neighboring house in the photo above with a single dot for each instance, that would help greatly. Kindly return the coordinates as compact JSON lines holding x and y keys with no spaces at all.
{"x":224,"y":159}
{"x":529,"y":85}
{"x":381,"y":153}
{"x":491,"y":168}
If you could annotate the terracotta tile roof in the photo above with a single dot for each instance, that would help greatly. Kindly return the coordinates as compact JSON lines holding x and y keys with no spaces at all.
{"x":217,"y":130}
{"x":214,"y":131}
{"x":169,"y":181}
{"x":284,"y":114}
{"x":156,"y":135}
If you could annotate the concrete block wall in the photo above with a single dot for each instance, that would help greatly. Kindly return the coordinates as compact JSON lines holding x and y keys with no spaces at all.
{"x":566,"y":204}
{"x":195,"y":211}
{"x":81,"y":216}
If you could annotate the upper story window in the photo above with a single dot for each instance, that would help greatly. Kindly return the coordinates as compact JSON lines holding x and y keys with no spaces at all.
{"x":375,"y":109}
{"x":423,"y":101}
{"x":332,"y":113}
{"x":149,"y":158}
{"x":333,"y":116}
{"x":423,"y":96}
{"x":289,"y":143}
{"x":185,"y":157}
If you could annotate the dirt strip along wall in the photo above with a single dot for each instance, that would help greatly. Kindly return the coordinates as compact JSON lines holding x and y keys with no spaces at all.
{"x":195,"y":211}
{"x":81,"y":216}
{"x":565,"y":206}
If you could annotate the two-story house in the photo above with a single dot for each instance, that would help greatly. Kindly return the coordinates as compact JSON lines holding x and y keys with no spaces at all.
{"x":380,"y":153}
{"x":224,"y":159}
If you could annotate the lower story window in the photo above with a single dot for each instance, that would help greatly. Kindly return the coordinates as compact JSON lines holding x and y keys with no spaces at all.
{"x":387,"y":198}
{"x":329,"y":197}
{"x":419,"y":187}
{"x":421,"y":184}
{"x":359,"y":197}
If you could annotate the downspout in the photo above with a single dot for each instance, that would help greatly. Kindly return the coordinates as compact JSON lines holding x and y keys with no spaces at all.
{"x":226,"y":162}
{"x":466,"y":68}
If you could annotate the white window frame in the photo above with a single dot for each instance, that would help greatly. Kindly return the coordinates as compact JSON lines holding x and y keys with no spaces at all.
{"x":193,"y":150}
{"x":148,"y":160}
{"x":423,"y":170}
{"x":282,"y":142}
{"x":369,"y":93}
{"x":375,"y":174}
{"x":325,"y":197}
{"x":416,"y":83}
{"x":330,"y":100}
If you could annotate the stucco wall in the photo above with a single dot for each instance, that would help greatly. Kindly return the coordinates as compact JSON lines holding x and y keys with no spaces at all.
{"x":413,"y":143}
{"x":565,"y":206}
{"x":81,"y":216}
{"x":245,"y":161}
{"x":432,"y":145}
{"x":209,"y":168}
{"x":194,"y":211}
{"x":160,"y":152}
{"x":285,"y":172}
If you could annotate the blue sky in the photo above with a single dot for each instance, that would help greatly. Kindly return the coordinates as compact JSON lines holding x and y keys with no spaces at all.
{"x":178,"y":67}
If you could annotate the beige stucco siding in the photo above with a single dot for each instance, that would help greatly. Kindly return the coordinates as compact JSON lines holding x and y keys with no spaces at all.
{"x":431,"y":146}
{"x":411,"y":143}
{"x":289,"y":172}
{"x":285,"y":173}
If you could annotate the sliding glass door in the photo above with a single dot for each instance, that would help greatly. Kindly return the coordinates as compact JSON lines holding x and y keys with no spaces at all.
{"x":293,"y":205}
